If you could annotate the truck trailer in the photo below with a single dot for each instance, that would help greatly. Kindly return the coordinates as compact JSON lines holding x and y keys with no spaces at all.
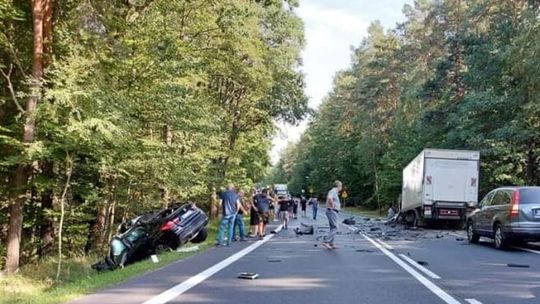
{"x":440,"y":185}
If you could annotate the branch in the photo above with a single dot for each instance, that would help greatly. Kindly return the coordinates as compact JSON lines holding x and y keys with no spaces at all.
{"x":10,"y":87}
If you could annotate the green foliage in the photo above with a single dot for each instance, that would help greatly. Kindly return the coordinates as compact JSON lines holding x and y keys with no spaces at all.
{"x":155,"y":101}
{"x":455,"y":74}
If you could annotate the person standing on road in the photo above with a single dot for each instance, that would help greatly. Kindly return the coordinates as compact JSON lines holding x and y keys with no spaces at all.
{"x":262,"y":203}
{"x":303,"y":205}
{"x":239,"y":220}
{"x":253,"y":215}
{"x":314,"y":206}
{"x":333,"y":205}
{"x":283,"y":211}
{"x":230,"y":204}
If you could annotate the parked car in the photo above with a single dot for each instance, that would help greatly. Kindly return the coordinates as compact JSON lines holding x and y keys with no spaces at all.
{"x":154,"y":233}
{"x":507,"y":215}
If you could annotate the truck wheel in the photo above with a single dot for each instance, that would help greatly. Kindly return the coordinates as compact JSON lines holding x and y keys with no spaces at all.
{"x":500,"y":239}
{"x":471,"y":235}
{"x":200,"y":237}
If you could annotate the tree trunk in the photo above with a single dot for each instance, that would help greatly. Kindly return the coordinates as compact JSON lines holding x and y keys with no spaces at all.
{"x":97,"y":234}
{"x":47,"y":222}
{"x":21,"y":173}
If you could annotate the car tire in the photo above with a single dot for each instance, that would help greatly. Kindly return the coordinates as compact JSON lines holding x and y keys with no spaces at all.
{"x":472,"y":236}
{"x":200,"y":237}
{"x":499,"y":238}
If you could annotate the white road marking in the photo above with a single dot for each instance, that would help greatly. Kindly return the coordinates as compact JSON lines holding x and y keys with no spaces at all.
{"x":179,"y":289}
{"x":385,"y":245}
{"x":423,"y":280}
{"x":420,"y":267}
{"x":527,"y":249}
{"x":350,"y":227}
{"x":473,"y":301}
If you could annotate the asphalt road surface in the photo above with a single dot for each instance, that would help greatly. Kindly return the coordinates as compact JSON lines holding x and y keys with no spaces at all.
{"x":296,"y":269}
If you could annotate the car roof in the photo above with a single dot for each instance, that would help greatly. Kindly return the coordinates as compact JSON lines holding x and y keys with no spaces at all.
{"x":517,"y":187}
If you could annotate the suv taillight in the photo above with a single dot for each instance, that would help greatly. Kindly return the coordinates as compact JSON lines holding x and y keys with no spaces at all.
{"x":514,"y":205}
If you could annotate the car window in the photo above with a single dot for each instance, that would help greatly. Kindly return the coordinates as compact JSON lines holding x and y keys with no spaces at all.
{"x":502,"y":197}
{"x":529,"y":196}
{"x":487,"y":199}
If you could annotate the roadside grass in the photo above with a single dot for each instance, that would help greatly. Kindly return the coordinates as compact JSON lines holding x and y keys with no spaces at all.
{"x":362,"y":211}
{"x":35,"y":282}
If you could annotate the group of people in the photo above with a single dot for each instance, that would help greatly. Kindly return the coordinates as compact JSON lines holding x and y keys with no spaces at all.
{"x":234,"y":205}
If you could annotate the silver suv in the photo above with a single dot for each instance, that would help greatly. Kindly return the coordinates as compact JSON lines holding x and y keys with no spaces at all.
{"x":508,"y":214}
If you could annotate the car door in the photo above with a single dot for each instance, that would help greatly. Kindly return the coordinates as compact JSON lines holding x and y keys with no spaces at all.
{"x":503,"y":207}
{"x":498,"y":210}
{"x":482,"y":220}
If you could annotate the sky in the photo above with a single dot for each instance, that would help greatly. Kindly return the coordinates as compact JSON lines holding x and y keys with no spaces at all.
{"x":332,"y":27}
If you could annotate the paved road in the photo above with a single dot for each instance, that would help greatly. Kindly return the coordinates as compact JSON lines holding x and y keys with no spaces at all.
{"x":363,"y":270}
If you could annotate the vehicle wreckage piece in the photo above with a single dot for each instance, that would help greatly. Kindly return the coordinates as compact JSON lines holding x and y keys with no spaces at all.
{"x":154,"y":233}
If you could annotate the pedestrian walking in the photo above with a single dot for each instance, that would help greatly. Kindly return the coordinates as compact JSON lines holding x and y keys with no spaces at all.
{"x":333,"y":205}
{"x":230,"y":204}
{"x":262,"y":203}
{"x":239,"y":220}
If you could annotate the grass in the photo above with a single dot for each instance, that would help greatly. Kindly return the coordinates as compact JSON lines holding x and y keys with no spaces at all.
{"x":35,"y":284}
{"x":362,"y":211}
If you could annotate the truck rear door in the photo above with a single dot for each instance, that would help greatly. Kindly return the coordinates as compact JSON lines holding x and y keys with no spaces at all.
{"x":452,"y":180}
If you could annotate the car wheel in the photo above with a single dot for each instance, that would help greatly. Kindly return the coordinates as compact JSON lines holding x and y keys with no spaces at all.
{"x":200,"y":237}
{"x":471,"y":235}
{"x":499,"y":237}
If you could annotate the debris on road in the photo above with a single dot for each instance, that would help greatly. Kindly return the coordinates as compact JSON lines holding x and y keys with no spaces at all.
{"x":518,"y":265}
{"x":349,"y":221}
{"x":423,"y":263}
{"x":304,"y":229}
{"x":248,"y":275}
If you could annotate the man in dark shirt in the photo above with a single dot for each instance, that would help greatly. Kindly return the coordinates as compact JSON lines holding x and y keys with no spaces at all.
{"x":284,"y":211}
{"x":230,"y":203}
{"x":262,"y":203}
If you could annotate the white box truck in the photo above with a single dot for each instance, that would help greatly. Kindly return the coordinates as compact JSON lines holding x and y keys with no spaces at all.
{"x":440,"y":185}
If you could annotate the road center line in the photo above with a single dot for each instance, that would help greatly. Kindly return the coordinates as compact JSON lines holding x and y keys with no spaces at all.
{"x":423,"y":280}
{"x":179,"y":289}
{"x":420,"y":267}
{"x":527,"y":249}
{"x":473,"y":301}
{"x":385,"y":245}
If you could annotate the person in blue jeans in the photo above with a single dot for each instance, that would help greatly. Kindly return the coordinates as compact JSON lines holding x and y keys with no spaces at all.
{"x":315,"y":206}
{"x":230,"y":204}
{"x":239,"y":220}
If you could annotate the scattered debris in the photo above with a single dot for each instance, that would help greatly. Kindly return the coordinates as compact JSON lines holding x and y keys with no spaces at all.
{"x":518,"y":265}
{"x":349,"y":221}
{"x":154,"y":258}
{"x":423,"y":263}
{"x":364,"y":250}
{"x":304,"y":229}
{"x":248,"y":275}
{"x":460,"y":239}
{"x":188,"y":249}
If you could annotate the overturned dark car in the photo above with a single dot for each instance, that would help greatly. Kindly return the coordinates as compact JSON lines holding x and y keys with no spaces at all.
{"x":154,"y":233}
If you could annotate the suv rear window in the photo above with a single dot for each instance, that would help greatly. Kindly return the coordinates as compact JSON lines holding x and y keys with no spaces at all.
{"x":529,"y":196}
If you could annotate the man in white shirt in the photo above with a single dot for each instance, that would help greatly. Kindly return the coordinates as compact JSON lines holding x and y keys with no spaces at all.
{"x":333,"y":205}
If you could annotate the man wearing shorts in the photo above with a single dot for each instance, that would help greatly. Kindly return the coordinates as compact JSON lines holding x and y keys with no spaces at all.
{"x":333,"y":205}
{"x":283,"y":211}
{"x":253,"y":215}
{"x":262,"y":203}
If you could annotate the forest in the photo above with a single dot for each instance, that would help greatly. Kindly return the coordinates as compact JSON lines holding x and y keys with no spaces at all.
{"x":112,"y":108}
{"x":455,"y":74}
